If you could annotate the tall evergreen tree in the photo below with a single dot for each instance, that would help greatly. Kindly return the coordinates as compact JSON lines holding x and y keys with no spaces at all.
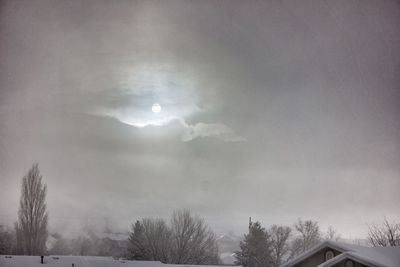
{"x":255,"y":249}
{"x":137,"y":248}
{"x":31,"y":228}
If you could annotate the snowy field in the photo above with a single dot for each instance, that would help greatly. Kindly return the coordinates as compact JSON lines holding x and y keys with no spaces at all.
{"x":78,"y":261}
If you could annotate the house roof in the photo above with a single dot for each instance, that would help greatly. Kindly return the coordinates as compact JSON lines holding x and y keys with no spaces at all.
{"x":371,"y":256}
{"x":347,"y":256}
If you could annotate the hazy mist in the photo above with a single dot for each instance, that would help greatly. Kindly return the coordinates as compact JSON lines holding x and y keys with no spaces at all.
{"x":270,"y":109}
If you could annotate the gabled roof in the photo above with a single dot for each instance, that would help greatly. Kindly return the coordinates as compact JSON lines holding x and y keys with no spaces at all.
{"x":330,"y":244}
{"x":371,"y":256}
{"x":347,"y":256}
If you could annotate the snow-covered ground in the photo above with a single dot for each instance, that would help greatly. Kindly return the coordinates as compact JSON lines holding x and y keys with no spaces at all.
{"x":78,"y":261}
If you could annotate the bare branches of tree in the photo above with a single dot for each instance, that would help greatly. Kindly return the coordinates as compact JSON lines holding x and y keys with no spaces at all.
{"x":31,"y":228}
{"x":280,"y":246}
{"x":187,"y":240}
{"x":157,"y":239}
{"x":384,"y":235}
{"x":331,"y":234}
{"x":308,"y":235}
{"x":193,"y":241}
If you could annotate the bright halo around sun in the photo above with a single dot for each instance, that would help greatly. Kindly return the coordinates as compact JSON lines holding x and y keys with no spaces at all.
{"x":156,"y":108}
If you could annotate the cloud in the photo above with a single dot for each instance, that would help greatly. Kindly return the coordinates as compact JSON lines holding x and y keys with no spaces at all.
{"x":137,"y":118}
{"x":176,"y":91}
{"x":143,"y":85}
{"x":140,"y":119}
{"x":217,"y":130}
{"x":189,"y":132}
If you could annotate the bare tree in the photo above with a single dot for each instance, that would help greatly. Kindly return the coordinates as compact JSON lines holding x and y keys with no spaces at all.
{"x":280,"y":246}
{"x":31,"y":228}
{"x":193,"y":242}
{"x":332,"y":234}
{"x":385,"y":235}
{"x":187,"y":240}
{"x":157,"y":239}
{"x":308,"y":236}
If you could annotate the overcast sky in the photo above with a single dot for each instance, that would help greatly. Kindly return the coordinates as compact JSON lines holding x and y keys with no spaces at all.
{"x":270,"y":109}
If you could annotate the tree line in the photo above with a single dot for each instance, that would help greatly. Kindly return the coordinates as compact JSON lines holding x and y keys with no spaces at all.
{"x":279,"y":244}
{"x":183,"y":239}
{"x":274,"y":246}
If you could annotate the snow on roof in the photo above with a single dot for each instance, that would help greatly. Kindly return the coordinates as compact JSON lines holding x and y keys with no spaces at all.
{"x":379,"y":256}
{"x":81,"y":261}
{"x":376,"y":256}
{"x":347,"y":256}
{"x":314,"y":250}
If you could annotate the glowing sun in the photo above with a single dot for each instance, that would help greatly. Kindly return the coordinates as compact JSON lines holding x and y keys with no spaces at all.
{"x":156,"y":108}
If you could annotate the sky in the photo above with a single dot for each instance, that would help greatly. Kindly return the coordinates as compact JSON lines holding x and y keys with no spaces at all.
{"x":276,"y":110}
